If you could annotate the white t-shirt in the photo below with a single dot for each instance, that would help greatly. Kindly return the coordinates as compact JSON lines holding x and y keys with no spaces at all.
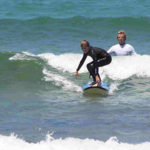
{"x":122,"y":50}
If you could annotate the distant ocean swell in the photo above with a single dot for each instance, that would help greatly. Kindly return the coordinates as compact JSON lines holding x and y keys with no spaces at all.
{"x":44,"y":33}
{"x":66,"y":8}
{"x":78,"y":21}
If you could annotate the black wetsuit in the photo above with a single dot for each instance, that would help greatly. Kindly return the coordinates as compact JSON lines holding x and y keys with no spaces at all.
{"x":100,"y":58}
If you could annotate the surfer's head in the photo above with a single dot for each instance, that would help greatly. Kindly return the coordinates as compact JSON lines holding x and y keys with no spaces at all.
{"x":121,"y":36}
{"x":85,"y":46}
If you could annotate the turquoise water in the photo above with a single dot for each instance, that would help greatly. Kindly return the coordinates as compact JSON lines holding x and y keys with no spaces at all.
{"x":42,"y":105}
{"x":67,"y":9}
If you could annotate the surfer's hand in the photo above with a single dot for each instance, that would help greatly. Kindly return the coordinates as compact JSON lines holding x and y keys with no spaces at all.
{"x":77,"y":74}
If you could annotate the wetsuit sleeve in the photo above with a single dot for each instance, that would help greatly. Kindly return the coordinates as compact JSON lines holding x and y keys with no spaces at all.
{"x":82,"y":61}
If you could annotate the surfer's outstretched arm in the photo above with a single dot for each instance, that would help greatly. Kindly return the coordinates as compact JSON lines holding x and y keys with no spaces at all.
{"x":80,"y":64}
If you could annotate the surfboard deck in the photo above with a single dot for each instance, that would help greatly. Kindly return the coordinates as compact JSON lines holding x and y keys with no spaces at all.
{"x":88,"y":89}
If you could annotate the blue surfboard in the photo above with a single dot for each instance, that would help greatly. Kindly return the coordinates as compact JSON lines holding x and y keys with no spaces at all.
{"x":101,"y":90}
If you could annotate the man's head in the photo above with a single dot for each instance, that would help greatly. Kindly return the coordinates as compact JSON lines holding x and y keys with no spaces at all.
{"x":121,"y":36}
{"x":85,"y":46}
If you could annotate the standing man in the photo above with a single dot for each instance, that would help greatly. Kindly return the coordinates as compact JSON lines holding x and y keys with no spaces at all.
{"x":100,"y":58}
{"x":122,"y":49}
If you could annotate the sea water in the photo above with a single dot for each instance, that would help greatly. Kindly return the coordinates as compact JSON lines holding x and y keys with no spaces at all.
{"x":42,"y":105}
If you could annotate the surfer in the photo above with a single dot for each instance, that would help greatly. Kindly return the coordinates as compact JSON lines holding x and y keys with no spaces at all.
{"x":122,"y":49}
{"x":100,"y":58}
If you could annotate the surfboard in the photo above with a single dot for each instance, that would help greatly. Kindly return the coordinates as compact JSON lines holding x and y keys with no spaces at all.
{"x":88,"y":89}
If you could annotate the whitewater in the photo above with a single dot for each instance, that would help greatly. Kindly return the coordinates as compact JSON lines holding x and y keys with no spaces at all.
{"x":121,"y":67}
{"x":7,"y":143}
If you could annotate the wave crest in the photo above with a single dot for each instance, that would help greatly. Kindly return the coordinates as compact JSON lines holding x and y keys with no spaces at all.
{"x":121,"y":67}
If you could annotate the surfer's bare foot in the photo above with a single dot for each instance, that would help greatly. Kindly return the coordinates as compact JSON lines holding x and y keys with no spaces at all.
{"x":92,"y":83}
{"x":97,"y":84}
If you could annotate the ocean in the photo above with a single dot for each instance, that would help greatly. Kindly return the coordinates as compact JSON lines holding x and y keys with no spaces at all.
{"x":42,"y":105}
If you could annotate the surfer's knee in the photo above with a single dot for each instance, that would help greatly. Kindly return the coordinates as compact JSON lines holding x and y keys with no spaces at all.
{"x":87,"y":65}
{"x":90,"y":66}
{"x":108,"y":60}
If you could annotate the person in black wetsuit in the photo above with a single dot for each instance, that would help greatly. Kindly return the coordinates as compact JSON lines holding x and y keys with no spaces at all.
{"x":100,"y":58}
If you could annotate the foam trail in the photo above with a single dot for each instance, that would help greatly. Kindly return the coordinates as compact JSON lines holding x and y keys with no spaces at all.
{"x":12,"y":142}
{"x":61,"y":81}
{"x":113,"y":88}
{"x":22,"y":56}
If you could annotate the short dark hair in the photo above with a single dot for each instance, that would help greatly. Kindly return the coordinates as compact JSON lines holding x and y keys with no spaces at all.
{"x":85,"y":42}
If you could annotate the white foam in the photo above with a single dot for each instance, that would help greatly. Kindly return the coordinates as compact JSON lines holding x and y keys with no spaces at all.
{"x":65,"y":62}
{"x":121,"y":67}
{"x":22,"y":56}
{"x":12,"y":142}
{"x":113,"y":87}
{"x":61,"y":81}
